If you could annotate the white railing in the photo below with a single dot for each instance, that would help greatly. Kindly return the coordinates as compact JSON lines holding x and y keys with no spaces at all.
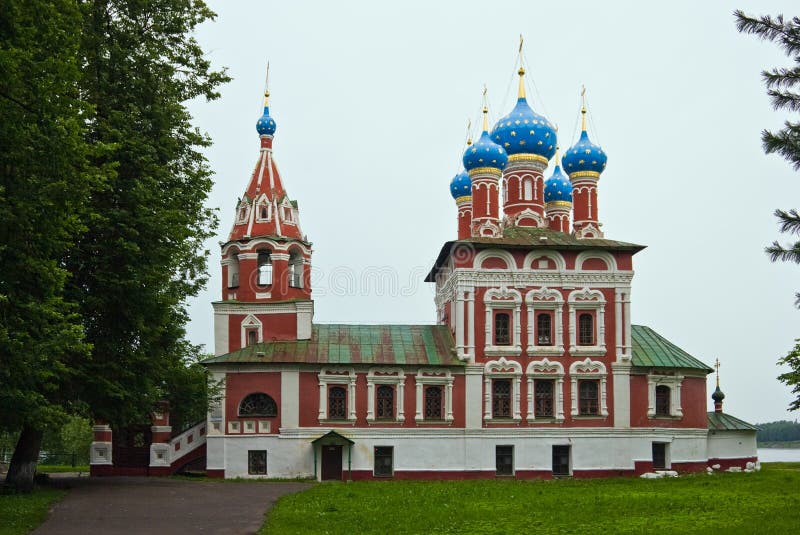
{"x":186,"y":442}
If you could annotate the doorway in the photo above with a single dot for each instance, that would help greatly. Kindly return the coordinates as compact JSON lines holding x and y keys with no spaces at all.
{"x":331,"y":463}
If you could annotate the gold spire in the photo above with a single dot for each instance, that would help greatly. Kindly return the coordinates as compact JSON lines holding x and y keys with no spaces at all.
{"x":521,"y":72}
{"x":716,"y":365}
{"x":266,"y":88}
{"x":485,"y":111}
{"x":583,"y":108}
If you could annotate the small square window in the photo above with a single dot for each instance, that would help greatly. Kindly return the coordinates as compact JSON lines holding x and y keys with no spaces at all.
{"x":384,"y":461}
{"x":257,"y":462}
{"x":504,"y":460}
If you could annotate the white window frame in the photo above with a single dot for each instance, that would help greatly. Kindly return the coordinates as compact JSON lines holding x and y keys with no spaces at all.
{"x":251,"y":323}
{"x":674,"y":383}
{"x":263,"y":201}
{"x":590,"y":370}
{"x":502,"y":369}
{"x":242,"y":210}
{"x":386,"y":376}
{"x":503,"y":298}
{"x":434,"y":377}
{"x":544,"y":369}
{"x":337,"y":376}
{"x":550,"y":300}
{"x":587,"y":300}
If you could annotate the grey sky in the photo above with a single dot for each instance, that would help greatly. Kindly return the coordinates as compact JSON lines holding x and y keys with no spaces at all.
{"x":371,"y":102}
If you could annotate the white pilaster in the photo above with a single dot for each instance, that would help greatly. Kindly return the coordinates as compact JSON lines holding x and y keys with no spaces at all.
{"x":290,"y":398}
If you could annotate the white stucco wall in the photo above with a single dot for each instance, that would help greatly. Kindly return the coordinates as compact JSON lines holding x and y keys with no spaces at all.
{"x":731,"y":444}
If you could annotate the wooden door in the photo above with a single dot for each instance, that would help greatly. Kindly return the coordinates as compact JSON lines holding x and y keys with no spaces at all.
{"x":331,"y":463}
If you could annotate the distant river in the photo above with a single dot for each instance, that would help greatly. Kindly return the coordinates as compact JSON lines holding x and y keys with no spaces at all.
{"x":776,"y":455}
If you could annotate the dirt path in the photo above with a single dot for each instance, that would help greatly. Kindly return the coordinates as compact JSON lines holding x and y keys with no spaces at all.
{"x":133,"y":505}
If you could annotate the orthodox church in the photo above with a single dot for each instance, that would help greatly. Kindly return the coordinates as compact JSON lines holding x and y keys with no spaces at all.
{"x":533,"y":369}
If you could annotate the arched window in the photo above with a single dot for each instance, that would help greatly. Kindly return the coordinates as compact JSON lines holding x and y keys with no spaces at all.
{"x":295,"y":269}
{"x":544,"y":329}
{"x":585,"y":330}
{"x":501,"y":329}
{"x":528,"y":186}
{"x":258,"y":404}
{"x":587,"y":402}
{"x":662,"y":400}
{"x":385,"y":409}
{"x":233,"y":271}
{"x":264,"y":268}
{"x":433,"y":403}
{"x":337,"y":403}
{"x":501,"y":398}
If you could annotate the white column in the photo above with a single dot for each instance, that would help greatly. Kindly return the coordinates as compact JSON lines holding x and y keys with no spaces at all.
{"x":651,"y":397}
{"x":401,"y":389}
{"x":622,"y":394}
{"x":488,"y":327}
{"x":323,"y":400}
{"x":531,"y":413}
{"x":448,"y":401}
{"x":601,"y":325}
{"x":572,"y":339}
{"x":627,"y":312}
{"x":517,"y":326}
{"x":370,"y":400}
{"x":471,"y":324}
{"x":418,"y":415}
{"x":517,"y":395}
{"x":603,"y":398}
{"x":560,"y":327}
{"x":459,"y":304}
{"x":352,"y":399}
{"x":487,"y":398}
{"x":473,"y":396}
{"x":560,"y":398}
{"x":290,"y":399}
{"x":618,"y":320}
{"x":574,"y":396}
{"x":530,"y":331}
{"x":677,"y":410}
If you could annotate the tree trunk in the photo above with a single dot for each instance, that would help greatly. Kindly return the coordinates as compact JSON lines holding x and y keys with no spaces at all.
{"x":23,"y":462}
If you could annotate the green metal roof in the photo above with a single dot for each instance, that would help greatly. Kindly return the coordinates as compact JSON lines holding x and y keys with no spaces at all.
{"x":651,"y":350}
{"x":531,"y":238}
{"x":428,"y":345}
{"x":719,"y":421}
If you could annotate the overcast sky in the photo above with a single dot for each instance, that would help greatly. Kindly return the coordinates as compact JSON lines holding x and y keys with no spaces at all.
{"x":371,"y":102}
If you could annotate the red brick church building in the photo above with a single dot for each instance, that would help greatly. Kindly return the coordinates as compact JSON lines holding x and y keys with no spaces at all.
{"x":533,"y":369}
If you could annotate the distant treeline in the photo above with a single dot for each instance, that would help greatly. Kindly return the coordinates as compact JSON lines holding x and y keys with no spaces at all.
{"x":781,"y":431}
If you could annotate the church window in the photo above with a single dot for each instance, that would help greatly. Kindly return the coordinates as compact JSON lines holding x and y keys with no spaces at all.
{"x":502,"y":329}
{"x":383,"y":461}
{"x":504,"y":460}
{"x":385,"y":408}
{"x":588,"y":398}
{"x":258,"y":404}
{"x":544,"y":329}
{"x":264,"y":268}
{"x":257,"y":462}
{"x":433,"y":403}
{"x":252,"y":337}
{"x":501,"y":398}
{"x":233,"y":271}
{"x":528,"y":190}
{"x":337,"y":403}
{"x":543,"y":392}
{"x":295,"y":269}
{"x":263,"y":212}
{"x":663,"y":395}
{"x":585,"y":329}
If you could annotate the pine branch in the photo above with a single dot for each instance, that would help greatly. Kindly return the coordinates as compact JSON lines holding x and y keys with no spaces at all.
{"x":782,"y":77}
{"x":789,"y":221}
{"x":784,"y":100}
{"x":785,"y":34}
{"x":785,"y":142}
{"x":777,"y":252}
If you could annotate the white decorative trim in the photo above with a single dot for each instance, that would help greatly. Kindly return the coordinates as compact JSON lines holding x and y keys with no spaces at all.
{"x":545,"y":298}
{"x":555,"y":256}
{"x":488,"y":229}
{"x":434,"y":376}
{"x":589,"y":230}
{"x":502,"y":298}
{"x":674,"y":383}
{"x":100,"y":453}
{"x":530,"y":214}
{"x":337,"y":375}
{"x":486,"y":254}
{"x":544,"y":369}
{"x":502,"y":369}
{"x":605,"y":256}
{"x":386,"y":376}
{"x":588,"y":369}
{"x":263,"y":201}
{"x":586,"y":299}
{"x":251,"y":323}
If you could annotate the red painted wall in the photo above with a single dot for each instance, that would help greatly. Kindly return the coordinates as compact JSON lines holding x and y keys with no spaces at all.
{"x":693,"y":396}
{"x":239,"y":385}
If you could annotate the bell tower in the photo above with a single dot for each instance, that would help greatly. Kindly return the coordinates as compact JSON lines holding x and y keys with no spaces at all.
{"x":266,"y":262}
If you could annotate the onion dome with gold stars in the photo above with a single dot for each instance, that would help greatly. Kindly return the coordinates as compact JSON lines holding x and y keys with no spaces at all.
{"x":584,"y":157}
{"x":485,"y":152}
{"x":523,"y":131}
{"x":266,"y":124}
{"x":461,"y":185}
{"x":558,"y":188}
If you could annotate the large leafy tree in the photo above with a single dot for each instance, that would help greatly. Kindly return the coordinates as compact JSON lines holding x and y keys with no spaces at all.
{"x":44,"y":184}
{"x":783,"y":88}
{"x":142,"y":254}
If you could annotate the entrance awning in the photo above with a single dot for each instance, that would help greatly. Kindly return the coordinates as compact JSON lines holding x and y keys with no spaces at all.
{"x":332,"y":438}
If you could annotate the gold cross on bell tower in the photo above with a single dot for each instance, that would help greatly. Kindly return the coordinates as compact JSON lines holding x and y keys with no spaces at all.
{"x":717,"y":365}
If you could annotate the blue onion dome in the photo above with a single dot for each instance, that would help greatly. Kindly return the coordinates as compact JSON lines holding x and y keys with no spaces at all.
{"x":523,"y":131}
{"x":584,"y":157}
{"x":718,"y":396}
{"x":558,"y":188}
{"x":461,"y":185}
{"x":266,"y":124}
{"x":485,"y":152}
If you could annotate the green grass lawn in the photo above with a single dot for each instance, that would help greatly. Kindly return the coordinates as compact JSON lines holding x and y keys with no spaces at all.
{"x":21,"y":513}
{"x":763,"y":502}
{"x":57,"y":468}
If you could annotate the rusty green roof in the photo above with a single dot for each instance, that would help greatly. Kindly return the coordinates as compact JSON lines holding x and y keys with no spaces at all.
{"x":719,"y":421}
{"x":652,"y":350}
{"x":428,"y":345}
{"x":530,"y":238}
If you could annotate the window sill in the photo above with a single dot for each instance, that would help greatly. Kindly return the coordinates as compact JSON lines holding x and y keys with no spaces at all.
{"x":550,"y":351}
{"x":497,"y":351}
{"x":432,"y":422}
{"x":337,"y":422}
{"x":664,"y":417}
{"x":382,"y":421}
{"x":591,"y":351}
{"x":502,"y":421}
{"x":589,"y":417}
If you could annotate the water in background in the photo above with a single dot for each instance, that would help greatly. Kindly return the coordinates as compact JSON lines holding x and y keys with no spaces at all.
{"x":777,"y":455}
